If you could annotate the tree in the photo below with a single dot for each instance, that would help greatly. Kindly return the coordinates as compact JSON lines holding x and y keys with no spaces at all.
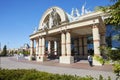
{"x":114,"y":55}
{"x":114,"y":12}
{"x":25,"y":52}
{"x":4,"y":52}
{"x":113,"y":19}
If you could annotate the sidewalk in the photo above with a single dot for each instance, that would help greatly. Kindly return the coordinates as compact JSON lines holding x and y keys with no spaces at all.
{"x":80,"y":69}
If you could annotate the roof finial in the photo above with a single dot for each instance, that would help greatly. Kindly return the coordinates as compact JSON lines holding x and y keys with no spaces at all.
{"x":72,"y":12}
{"x":77,"y":12}
{"x":35,"y":30}
{"x":83,"y":9}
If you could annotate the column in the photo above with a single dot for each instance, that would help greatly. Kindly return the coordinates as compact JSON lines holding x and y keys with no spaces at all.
{"x":37,"y":47}
{"x":68,"y":43}
{"x":75,"y":45}
{"x":96,"y":42}
{"x":85,"y":47}
{"x":58,"y":48}
{"x":41,"y":56}
{"x":103,"y":41}
{"x":40,"y":46}
{"x":80,"y":46}
{"x":55,"y":47}
{"x":63,"y":49}
{"x":31,"y":49}
{"x":67,"y":59}
{"x":43,"y":46}
{"x":49,"y":47}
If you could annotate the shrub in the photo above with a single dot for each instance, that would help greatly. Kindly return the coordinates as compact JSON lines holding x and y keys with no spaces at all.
{"x":22,"y":74}
{"x":99,"y":59}
{"x":116,"y":68}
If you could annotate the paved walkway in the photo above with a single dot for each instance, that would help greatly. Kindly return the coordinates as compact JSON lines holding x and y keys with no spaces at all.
{"x":80,"y":69}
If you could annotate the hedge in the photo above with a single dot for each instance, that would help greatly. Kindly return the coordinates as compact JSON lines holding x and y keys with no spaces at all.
{"x":22,"y":74}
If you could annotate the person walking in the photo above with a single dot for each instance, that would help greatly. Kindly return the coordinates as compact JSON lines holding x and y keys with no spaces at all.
{"x":90,"y":60}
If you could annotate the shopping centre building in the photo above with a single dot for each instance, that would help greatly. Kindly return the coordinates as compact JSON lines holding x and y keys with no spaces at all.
{"x":66,"y":35}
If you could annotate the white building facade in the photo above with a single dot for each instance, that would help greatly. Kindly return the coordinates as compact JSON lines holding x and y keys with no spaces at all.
{"x":58,"y":32}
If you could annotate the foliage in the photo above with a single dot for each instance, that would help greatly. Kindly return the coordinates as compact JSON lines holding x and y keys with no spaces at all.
{"x":25,"y":52}
{"x":99,"y":59}
{"x":4,"y":52}
{"x":113,"y":18}
{"x":99,"y":8}
{"x":113,"y":55}
{"x":116,"y":37}
{"x":22,"y":74}
{"x":110,"y":32}
{"x":116,"y":68}
{"x":114,"y":11}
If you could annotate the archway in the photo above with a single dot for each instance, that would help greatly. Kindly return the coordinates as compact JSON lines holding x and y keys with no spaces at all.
{"x":53,"y":17}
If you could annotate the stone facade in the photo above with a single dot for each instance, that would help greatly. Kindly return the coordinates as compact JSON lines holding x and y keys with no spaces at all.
{"x":56,"y":33}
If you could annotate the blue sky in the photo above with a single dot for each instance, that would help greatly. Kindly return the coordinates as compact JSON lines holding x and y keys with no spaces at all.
{"x":18,"y":18}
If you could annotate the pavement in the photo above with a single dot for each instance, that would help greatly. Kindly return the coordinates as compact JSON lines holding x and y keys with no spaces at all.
{"x":80,"y":68}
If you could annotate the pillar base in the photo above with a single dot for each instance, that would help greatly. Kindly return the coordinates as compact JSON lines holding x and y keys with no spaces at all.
{"x":41,"y":58}
{"x":66,"y":59}
{"x":96,"y":63}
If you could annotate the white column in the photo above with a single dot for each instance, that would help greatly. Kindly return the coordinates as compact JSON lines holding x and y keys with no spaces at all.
{"x":80,"y":46}
{"x":37,"y":47}
{"x":85,"y":47}
{"x":49,"y":47}
{"x":96,"y":42}
{"x":67,"y":59}
{"x":42,"y":56}
{"x":63,"y":50}
{"x":31,"y":49}
{"x":55,"y":47}
{"x":43,"y":46}
{"x":68,"y":44}
{"x":40,"y":46}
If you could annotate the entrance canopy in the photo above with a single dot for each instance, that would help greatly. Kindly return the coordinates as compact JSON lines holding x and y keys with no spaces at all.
{"x":58,"y":29}
{"x":55,"y":20}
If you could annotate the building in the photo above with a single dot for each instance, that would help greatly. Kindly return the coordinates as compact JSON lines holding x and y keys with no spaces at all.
{"x":59,"y":32}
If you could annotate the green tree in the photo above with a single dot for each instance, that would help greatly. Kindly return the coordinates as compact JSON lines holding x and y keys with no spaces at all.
{"x":4,"y":52}
{"x":26,"y":52}
{"x":113,"y":55}
{"x":114,"y":16}
{"x":114,"y":12}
